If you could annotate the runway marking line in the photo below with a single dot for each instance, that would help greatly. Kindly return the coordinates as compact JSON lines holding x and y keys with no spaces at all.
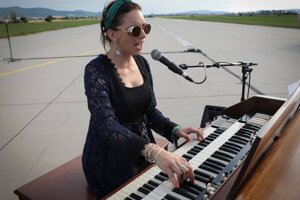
{"x":42,"y":64}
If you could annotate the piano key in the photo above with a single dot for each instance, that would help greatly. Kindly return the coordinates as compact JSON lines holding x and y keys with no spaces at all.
{"x":214,"y":165}
{"x":228,"y":149}
{"x":170,"y":197}
{"x":194,"y":162}
{"x":230,"y":155}
{"x":149,"y":186}
{"x":202,"y":179}
{"x":217,"y":161}
{"x":187,"y":157}
{"x":119,"y":195}
{"x":184,"y":193}
{"x":162,"y":190}
{"x":240,"y":138}
{"x":135,"y":196}
{"x":236,"y":141}
{"x":127,"y":198}
{"x":190,"y":189}
{"x":144,"y":190}
{"x":209,"y":169}
{"x":234,"y":145}
{"x":153,"y":183}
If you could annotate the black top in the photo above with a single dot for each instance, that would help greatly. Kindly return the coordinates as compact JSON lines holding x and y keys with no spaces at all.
{"x":111,"y":154}
{"x":139,"y":99}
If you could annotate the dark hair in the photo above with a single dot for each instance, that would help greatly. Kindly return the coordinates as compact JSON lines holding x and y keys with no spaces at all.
{"x":117,"y":20}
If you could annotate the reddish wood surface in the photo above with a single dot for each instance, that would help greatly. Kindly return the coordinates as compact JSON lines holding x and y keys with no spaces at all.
{"x":277,"y":176}
{"x":66,"y":182}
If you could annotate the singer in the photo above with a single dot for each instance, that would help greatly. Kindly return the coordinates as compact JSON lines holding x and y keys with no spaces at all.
{"x":121,"y":101}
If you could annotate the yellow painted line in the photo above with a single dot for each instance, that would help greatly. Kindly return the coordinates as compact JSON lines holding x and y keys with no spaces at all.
{"x":42,"y":64}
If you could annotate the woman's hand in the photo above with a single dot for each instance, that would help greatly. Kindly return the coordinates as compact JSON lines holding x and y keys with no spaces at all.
{"x":177,"y":168}
{"x":184,"y":132}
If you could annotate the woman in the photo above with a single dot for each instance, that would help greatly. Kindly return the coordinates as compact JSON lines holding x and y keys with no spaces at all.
{"x":119,"y":89}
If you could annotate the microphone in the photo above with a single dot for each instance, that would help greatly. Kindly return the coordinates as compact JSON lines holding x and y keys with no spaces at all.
{"x":156,"y":54}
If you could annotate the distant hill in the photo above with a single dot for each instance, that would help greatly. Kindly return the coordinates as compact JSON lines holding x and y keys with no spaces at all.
{"x":203,"y":12}
{"x":44,"y":12}
{"x":209,"y":12}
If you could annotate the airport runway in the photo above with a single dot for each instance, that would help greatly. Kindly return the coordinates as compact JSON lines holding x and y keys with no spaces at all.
{"x":43,"y":109}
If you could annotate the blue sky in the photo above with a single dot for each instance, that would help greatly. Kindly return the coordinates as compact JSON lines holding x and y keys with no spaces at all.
{"x":161,"y":6}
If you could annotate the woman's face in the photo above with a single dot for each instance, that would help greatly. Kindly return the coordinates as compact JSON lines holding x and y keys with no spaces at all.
{"x":127,"y":43}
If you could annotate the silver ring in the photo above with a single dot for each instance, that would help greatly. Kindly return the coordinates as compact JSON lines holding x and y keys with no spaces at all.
{"x":181,"y":167}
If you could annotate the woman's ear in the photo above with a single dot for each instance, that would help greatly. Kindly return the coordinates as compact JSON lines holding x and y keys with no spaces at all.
{"x":112,"y":35}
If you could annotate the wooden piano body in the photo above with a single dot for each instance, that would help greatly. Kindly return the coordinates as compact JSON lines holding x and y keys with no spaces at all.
{"x":271,"y":169}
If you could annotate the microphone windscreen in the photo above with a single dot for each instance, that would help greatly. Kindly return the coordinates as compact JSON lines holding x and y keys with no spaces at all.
{"x":156,"y":54}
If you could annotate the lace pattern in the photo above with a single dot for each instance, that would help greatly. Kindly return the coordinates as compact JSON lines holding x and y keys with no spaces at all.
{"x":111,"y":151}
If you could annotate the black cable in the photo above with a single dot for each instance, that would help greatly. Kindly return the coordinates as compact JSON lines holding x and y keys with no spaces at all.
{"x":205,"y":72}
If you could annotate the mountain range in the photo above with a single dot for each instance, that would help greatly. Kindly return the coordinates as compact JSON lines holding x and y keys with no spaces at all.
{"x":43,"y":12}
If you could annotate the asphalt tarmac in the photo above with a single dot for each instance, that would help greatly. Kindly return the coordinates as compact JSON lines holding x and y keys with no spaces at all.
{"x":43,"y":109}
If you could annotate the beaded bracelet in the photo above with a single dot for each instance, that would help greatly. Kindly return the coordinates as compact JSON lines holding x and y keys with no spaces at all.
{"x":148,"y":153}
{"x":158,"y":154}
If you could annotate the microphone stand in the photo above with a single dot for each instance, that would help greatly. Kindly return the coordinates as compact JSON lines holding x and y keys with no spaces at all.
{"x":246,"y":71}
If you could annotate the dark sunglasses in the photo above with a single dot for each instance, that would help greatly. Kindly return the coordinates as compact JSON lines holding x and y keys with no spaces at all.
{"x":136,"y":30}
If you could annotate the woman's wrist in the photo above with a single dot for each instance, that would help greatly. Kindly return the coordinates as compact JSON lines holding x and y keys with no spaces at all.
{"x":175,"y":130}
{"x":152,"y":152}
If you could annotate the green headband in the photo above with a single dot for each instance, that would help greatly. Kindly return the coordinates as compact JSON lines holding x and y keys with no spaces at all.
{"x":112,"y":12}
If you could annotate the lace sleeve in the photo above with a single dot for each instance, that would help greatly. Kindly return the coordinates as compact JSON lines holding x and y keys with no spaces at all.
{"x":120,"y":142}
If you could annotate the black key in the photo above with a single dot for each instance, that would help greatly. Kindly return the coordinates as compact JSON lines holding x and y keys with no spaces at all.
{"x":203,"y":143}
{"x":208,"y":168}
{"x":127,"y":198}
{"x":171,"y":197}
{"x":189,"y":189}
{"x":216,"y":162}
{"x":221,"y":157}
{"x":240,"y":139}
{"x":210,"y":139}
{"x":214,"y":165}
{"x":224,"y":148}
{"x":144,"y":191}
{"x":153,"y":183}
{"x":244,"y":135}
{"x":163,"y":174}
{"x":230,"y":146}
{"x":228,"y":155}
{"x":191,"y":152}
{"x":198,"y":148}
{"x":239,"y":146}
{"x":218,"y":131}
{"x":135,"y":196}
{"x":203,"y":174}
{"x":234,"y":140}
{"x":161,"y":178}
{"x":184,"y":193}
{"x":149,"y":187}
{"x":187,"y":157}
{"x":214,"y":135}
{"x":202,"y":179}
{"x":246,"y":130}
{"x":193,"y":185}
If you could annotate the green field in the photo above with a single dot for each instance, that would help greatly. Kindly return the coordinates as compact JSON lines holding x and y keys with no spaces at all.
{"x":36,"y":27}
{"x":289,"y":21}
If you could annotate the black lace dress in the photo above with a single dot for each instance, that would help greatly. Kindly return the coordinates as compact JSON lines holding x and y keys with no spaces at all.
{"x":120,"y":124}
